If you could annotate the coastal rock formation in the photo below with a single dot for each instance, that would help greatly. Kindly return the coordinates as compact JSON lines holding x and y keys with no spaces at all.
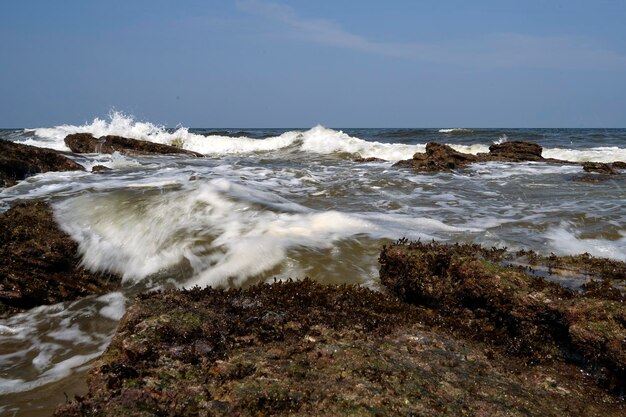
{"x":439,"y":157}
{"x":301,"y":348}
{"x":18,"y":161}
{"x":38,"y":262}
{"x":515,"y":151}
{"x":525,"y":315}
{"x":87,"y":143}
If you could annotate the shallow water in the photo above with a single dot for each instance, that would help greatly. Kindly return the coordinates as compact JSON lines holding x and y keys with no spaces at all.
{"x":280,"y":203}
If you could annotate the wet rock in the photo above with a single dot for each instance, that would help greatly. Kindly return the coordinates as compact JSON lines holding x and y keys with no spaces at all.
{"x":38,"y":262}
{"x":18,"y":161}
{"x":438,"y":157}
{"x":515,"y":151}
{"x":100,"y":168}
{"x":87,"y":143}
{"x":618,"y":165}
{"x":598,"y":168}
{"x":523,"y":314}
{"x":370,"y":159}
{"x":301,"y":348}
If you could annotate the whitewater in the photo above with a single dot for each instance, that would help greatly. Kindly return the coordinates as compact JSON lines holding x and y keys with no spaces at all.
{"x":265,"y":204}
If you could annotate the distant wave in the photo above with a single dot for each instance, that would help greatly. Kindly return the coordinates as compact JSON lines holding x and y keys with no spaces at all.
{"x":455,"y":130}
{"x":318,"y":140}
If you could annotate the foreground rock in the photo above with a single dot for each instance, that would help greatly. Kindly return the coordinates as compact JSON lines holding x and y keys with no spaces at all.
{"x":508,"y":307}
{"x":301,"y":348}
{"x":38,"y":262}
{"x":18,"y":161}
{"x":86,"y":143}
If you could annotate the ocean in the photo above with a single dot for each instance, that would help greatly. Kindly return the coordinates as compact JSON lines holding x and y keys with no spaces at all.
{"x":266,"y":204}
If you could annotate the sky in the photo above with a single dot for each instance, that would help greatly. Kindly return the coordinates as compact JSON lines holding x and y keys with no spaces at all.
{"x":298,"y":63}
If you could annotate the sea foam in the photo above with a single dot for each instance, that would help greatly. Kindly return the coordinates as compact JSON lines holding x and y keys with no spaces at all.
{"x":317,"y":140}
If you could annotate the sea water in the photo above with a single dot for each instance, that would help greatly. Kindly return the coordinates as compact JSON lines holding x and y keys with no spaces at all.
{"x":265,"y":204}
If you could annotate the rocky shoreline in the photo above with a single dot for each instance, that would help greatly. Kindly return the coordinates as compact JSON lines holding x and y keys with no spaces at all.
{"x":439,"y":157}
{"x":39,"y":263}
{"x":455,"y":329}
{"x":458,"y":333}
{"x":18,"y":161}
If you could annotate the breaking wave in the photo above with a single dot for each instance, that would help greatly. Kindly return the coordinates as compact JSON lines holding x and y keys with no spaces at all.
{"x":317,"y":140}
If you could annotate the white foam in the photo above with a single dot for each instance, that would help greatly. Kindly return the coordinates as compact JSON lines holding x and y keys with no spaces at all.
{"x":454,"y":130}
{"x":563,"y":241}
{"x":43,"y":341}
{"x":226,"y":231}
{"x":604,"y":154}
{"x":116,"y":305}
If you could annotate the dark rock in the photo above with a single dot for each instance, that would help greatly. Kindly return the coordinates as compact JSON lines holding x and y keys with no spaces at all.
{"x":370,"y":159}
{"x":508,"y":307}
{"x":301,"y":348}
{"x":438,"y":157}
{"x":86,"y":143}
{"x":598,"y":167}
{"x":515,"y":151}
{"x":18,"y":161}
{"x":38,"y":262}
{"x":100,"y":168}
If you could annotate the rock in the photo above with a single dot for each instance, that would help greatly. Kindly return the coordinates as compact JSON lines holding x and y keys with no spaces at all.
{"x":100,"y":168}
{"x":618,"y":165}
{"x":598,"y":167}
{"x":39,"y":264}
{"x":506,"y":306}
{"x":302,"y":348}
{"x":438,"y":157}
{"x":369,"y":159}
{"x":18,"y":161}
{"x":515,"y":151}
{"x":86,"y":143}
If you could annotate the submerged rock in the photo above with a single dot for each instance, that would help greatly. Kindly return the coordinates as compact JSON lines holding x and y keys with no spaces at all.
{"x":18,"y":161}
{"x":100,"y":168}
{"x":38,"y":262}
{"x":87,"y":143}
{"x":302,"y":348}
{"x":475,"y":293}
{"x":599,"y":167}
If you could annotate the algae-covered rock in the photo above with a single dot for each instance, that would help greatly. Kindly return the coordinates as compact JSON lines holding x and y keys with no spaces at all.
{"x":87,"y":143}
{"x":475,"y":292}
{"x":39,"y":263}
{"x":18,"y":161}
{"x":301,"y":348}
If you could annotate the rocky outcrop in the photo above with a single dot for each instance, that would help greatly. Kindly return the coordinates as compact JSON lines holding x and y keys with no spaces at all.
{"x":39,"y":263}
{"x":87,"y":143}
{"x":301,"y":348}
{"x":439,"y":157}
{"x":476,"y":293}
{"x":515,"y":151}
{"x":18,"y":161}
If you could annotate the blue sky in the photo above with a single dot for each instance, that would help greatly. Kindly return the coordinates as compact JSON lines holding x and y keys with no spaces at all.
{"x":257,"y":63}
